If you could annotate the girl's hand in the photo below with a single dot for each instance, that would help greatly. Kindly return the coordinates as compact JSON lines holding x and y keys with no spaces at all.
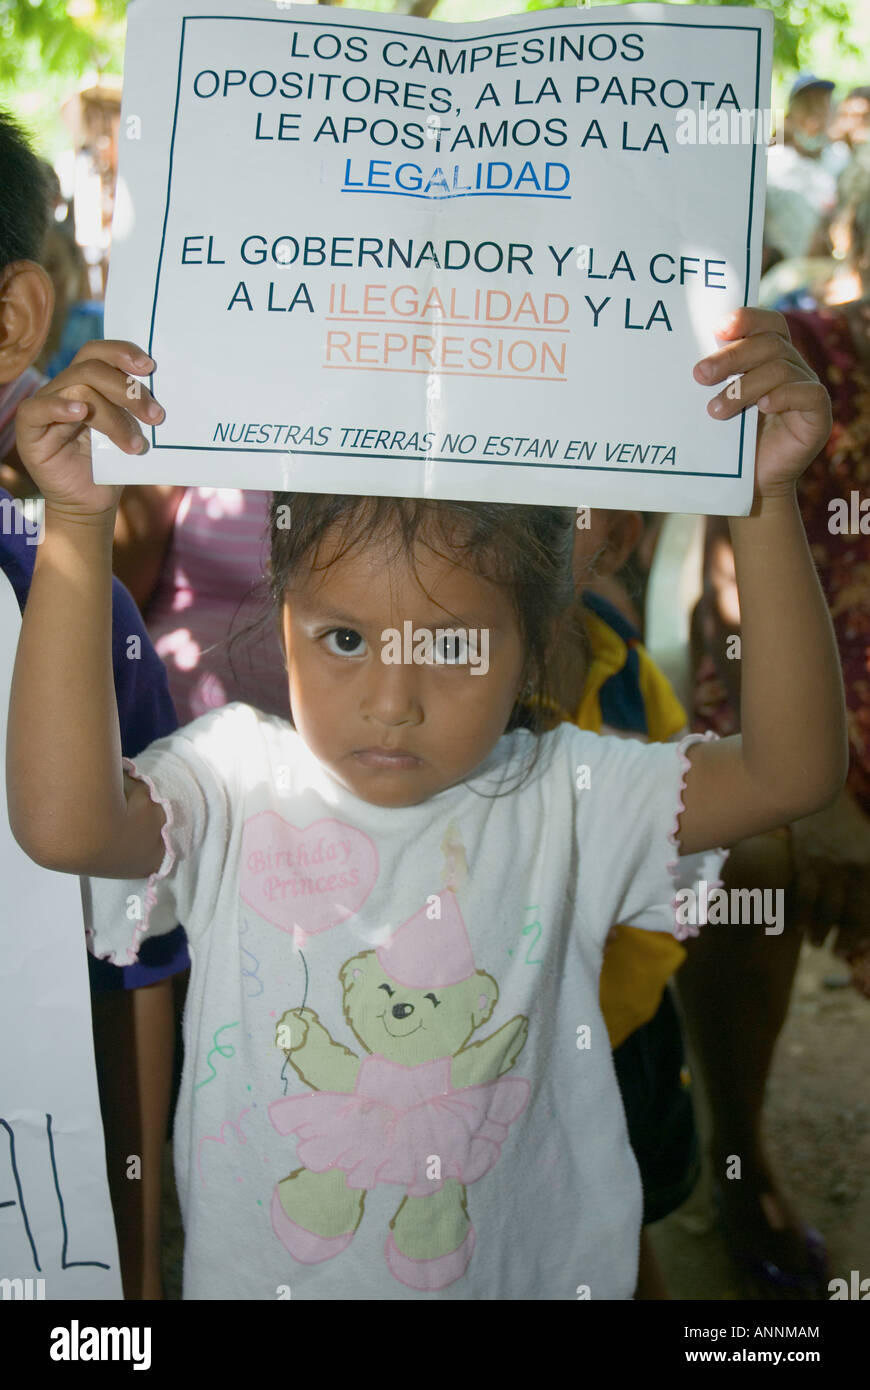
{"x":794,"y":407}
{"x":53,"y":428}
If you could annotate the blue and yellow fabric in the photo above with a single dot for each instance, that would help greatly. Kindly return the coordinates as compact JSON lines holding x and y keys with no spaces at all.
{"x":626,"y":692}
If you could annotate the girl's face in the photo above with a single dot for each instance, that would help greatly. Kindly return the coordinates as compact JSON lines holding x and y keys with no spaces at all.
{"x":397,"y":732}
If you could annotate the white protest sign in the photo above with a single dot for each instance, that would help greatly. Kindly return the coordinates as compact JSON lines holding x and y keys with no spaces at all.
{"x":376,"y":255}
{"x":57,"y":1233}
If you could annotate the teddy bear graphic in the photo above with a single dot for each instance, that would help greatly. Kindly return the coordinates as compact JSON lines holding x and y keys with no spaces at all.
{"x":423,"y":1108}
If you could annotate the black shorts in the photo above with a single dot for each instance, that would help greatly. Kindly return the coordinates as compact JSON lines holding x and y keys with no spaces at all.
{"x":658,"y":1108}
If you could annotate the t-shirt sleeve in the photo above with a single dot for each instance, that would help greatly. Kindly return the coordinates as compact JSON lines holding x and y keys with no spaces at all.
{"x":189,"y":776}
{"x":628,"y":801}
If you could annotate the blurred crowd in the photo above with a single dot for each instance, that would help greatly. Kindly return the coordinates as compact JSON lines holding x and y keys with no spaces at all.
{"x":817,"y":219}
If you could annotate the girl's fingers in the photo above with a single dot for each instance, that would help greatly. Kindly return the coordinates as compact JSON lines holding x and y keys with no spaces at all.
{"x":97,"y":376}
{"x":742,"y":323}
{"x":753,"y":385}
{"x":809,"y":398}
{"x":37,"y":415}
{"x":743,"y":355}
{"x":112,"y":421}
{"x":128,"y":357}
{"x":38,"y":411}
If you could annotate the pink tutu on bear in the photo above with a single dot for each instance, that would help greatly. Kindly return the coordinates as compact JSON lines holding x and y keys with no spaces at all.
{"x":397,"y":1119}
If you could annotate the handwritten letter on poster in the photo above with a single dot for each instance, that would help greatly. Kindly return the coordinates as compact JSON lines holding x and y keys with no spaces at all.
{"x":57,"y":1234}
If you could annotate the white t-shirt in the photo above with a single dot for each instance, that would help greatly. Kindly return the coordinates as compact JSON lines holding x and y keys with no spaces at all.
{"x":441,"y":1118}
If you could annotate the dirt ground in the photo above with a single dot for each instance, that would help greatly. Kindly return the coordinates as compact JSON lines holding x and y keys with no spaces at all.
{"x":818,"y":1128}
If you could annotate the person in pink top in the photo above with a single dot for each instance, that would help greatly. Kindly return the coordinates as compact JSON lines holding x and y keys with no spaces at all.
{"x":194,"y":559}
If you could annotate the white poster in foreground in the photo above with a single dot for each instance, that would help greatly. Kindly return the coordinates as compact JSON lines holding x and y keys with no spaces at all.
{"x":378,"y":255}
{"x":57,"y":1232}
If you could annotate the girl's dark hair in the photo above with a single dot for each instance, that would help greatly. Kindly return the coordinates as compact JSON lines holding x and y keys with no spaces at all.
{"x":24,"y":211}
{"x":525,"y":549}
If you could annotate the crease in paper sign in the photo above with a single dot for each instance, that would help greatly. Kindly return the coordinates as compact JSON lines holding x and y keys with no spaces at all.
{"x":124,"y":219}
{"x":434,"y":414}
{"x":434,"y":405}
{"x":286,"y":469}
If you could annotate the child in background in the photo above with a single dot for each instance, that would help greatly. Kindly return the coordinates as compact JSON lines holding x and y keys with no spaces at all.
{"x":194,"y":558}
{"x":354,"y":881}
{"x":606,"y":544}
{"x":26,"y":294}
{"x":77,"y":318}
{"x":132,"y":1007}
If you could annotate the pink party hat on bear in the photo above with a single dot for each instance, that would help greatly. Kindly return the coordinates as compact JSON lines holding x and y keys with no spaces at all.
{"x":430,"y":952}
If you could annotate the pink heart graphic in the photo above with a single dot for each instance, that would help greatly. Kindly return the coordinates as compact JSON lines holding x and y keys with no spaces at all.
{"x":305,"y":880}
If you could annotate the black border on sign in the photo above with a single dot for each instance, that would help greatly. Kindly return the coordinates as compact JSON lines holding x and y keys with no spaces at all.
{"x":432,"y":458}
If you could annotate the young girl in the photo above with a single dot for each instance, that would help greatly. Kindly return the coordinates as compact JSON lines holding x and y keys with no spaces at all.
{"x":398,"y":1083}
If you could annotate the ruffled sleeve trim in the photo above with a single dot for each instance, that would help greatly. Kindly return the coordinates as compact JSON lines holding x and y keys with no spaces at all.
{"x":140,"y":929}
{"x":682,"y":930}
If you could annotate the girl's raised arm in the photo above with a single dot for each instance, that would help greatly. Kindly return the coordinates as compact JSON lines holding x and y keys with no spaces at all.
{"x":70,"y":805}
{"x":792,"y":755}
